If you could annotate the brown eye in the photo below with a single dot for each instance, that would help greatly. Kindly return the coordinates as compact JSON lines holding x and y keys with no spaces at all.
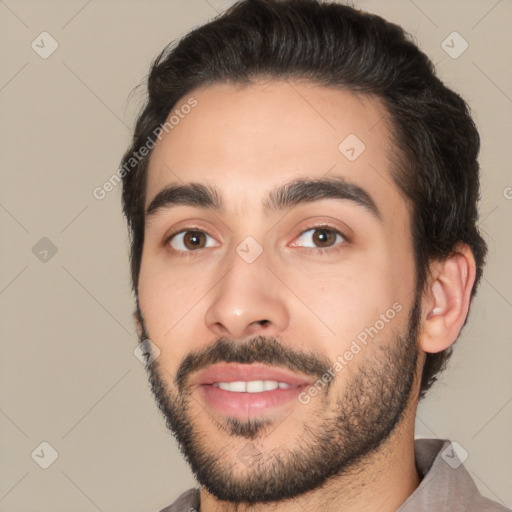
{"x":324,"y":237}
{"x":320,"y":237}
{"x":189,"y":240}
{"x":193,"y":239}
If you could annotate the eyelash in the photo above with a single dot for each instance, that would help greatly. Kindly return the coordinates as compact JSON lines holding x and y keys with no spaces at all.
{"x":322,"y":251}
{"x":311,"y":250}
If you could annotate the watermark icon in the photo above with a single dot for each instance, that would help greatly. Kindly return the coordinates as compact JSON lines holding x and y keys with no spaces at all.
{"x":44,"y":250}
{"x":454,"y":455}
{"x":454,"y":45}
{"x":139,"y":155}
{"x":507,"y":192}
{"x":44,"y":45}
{"x":351,"y":147}
{"x":44,"y":455}
{"x":249,"y":455}
{"x":249,"y":249}
{"x":146,"y":352}
{"x":343,"y":360}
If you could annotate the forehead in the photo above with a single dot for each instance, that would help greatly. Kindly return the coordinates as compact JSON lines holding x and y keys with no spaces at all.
{"x":246,"y":140}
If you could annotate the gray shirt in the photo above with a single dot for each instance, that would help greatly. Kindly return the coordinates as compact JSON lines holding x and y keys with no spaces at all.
{"x":445,"y":486}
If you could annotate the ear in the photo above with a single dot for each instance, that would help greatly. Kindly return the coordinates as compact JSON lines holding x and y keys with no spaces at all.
{"x":446,"y":300}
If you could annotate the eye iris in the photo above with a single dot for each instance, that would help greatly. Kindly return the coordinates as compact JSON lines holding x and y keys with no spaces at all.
{"x":192,"y":239}
{"x":325,"y":236}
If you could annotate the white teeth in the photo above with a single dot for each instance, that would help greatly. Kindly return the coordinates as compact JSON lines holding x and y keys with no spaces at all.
{"x":268,"y":385}
{"x":256,"y":386}
{"x":253,"y":386}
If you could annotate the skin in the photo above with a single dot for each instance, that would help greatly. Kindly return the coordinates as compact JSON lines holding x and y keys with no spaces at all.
{"x":246,"y":141}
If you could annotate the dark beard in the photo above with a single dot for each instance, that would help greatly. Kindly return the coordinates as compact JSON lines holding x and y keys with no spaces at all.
{"x":337,"y":443}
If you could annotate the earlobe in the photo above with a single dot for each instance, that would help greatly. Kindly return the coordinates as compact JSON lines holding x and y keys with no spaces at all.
{"x":446,"y":300}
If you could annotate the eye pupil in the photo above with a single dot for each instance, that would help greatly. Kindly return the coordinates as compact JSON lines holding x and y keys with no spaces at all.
{"x":322,"y":237}
{"x":192,"y":240}
{"x":326,"y":235}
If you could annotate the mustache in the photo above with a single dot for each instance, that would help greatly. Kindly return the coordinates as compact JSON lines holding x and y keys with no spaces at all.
{"x":260,"y":349}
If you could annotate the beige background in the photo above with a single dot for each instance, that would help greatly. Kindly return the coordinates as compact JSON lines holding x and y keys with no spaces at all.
{"x":68,"y":373}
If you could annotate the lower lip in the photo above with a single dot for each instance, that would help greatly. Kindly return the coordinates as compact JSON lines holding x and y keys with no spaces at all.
{"x":243,"y":405}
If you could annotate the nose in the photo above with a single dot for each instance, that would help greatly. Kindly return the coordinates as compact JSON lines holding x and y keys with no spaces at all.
{"x":248,"y":301}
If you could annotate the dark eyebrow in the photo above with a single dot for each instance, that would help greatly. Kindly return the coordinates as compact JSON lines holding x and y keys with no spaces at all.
{"x":191,"y":194}
{"x":294,"y":193}
{"x":306,"y":190}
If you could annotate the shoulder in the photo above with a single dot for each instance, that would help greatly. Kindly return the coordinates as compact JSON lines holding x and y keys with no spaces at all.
{"x":446,"y":485}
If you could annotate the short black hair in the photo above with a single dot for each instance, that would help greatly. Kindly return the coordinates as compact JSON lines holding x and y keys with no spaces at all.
{"x":331,"y":44}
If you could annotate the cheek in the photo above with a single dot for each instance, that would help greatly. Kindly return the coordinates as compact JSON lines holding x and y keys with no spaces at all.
{"x":343,"y":308}
{"x":365,"y":298}
{"x":167,"y":300}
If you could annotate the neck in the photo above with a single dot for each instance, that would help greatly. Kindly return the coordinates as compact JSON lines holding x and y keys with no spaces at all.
{"x":383,"y":481}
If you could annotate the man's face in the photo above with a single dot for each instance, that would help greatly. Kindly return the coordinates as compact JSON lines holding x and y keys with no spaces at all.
{"x":310,"y":288}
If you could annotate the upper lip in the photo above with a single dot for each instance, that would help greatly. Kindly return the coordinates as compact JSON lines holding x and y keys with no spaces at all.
{"x":229,"y":372}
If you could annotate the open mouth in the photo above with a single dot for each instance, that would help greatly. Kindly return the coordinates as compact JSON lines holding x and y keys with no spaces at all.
{"x":253,"y":386}
{"x":245,"y":391}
